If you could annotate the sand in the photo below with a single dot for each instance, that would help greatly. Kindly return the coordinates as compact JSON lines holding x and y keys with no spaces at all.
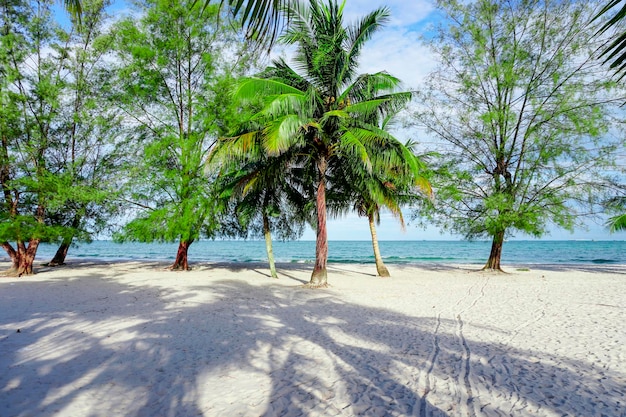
{"x":132,"y":339}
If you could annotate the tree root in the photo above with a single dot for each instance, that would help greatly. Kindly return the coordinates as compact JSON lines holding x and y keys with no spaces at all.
{"x":493,"y":270}
{"x":179,"y":268}
{"x":13,"y":273}
{"x":54,"y":264}
{"x":316,"y":286}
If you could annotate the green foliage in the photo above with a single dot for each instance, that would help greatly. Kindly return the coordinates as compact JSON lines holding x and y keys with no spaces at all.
{"x":521,"y":109}
{"x":265,"y":195}
{"x":86,"y":160}
{"x":178,"y":65}
{"x":320,"y":117}
{"x":617,"y":206}
{"x":42,"y":120}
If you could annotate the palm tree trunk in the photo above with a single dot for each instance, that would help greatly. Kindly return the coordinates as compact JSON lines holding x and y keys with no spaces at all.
{"x":380,"y":265}
{"x":319,"y":277}
{"x":181,"y":262}
{"x":493,"y":263}
{"x":268,"y":245}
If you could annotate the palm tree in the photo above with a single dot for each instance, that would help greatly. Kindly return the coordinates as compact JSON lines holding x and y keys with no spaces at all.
{"x":391,"y":184}
{"x":265,"y":197}
{"x":321,"y":111}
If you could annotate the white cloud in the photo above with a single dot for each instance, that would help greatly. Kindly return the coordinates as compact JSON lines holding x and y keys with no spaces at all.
{"x":403,"y":12}
{"x":396,"y":48}
{"x":401,"y":53}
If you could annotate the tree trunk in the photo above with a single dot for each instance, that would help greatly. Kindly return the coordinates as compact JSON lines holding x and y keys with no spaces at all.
{"x":61,"y":253}
{"x":319,"y":277}
{"x":13,"y":255}
{"x":59,"y":256}
{"x":27,"y":258}
{"x":23,"y":258}
{"x":268,"y":245}
{"x":181,"y":262}
{"x":493,"y":263}
{"x":380,"y":266}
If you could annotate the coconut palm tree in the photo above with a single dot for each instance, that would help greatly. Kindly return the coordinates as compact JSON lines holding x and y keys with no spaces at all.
{"x":321,"y":110}
{"x":266,"y":198}
{"x":390,"y":185}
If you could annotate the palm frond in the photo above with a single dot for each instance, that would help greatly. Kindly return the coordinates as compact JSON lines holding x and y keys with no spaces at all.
{"x":366,"y":109}
{"x":262,"y":19}
{"x":617,"y":223}
{"x":616,"y":205}
{"x":282,"y":133}
{"x":352,"y":143}
{"x":285,"y":104}
{"x":373,"y":85}
{"x":615,"y":51}
{"x":255,"y":87}
{"x":360,"y":33}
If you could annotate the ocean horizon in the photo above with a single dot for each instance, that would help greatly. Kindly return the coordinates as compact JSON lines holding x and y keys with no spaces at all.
{"x":515,"y":252}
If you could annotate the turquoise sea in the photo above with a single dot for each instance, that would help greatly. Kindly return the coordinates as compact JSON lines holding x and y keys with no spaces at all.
{"x":394,"y":252}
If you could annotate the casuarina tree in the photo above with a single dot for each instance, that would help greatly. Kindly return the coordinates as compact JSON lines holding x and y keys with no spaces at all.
{"x":176,"y":69}
{"x":33,"y":60}
{"x":520,"y":106}
{"x":85,"y":157}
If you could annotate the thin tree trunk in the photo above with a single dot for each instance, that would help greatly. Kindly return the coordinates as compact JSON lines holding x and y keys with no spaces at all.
{"x":380,"y":265}
{"x":493,"y":263}
{"x":319,"y":277}
{"x":181,"y":263}
{"x":61,"y":253}
{"x":268,"y":245}
{"x":14,"y":257}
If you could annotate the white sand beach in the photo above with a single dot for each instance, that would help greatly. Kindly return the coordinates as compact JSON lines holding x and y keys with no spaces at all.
{"x":132,"y":339}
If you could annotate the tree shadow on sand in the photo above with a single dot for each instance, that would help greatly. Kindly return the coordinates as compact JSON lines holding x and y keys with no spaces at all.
{"x":268,"y":350}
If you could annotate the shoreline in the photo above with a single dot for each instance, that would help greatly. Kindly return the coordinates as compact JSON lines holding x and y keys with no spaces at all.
{"x":163,"y":264}
{"x":132,"y":339}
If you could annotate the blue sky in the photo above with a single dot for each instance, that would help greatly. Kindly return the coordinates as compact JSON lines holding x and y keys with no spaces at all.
{"x":397,"y":49}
